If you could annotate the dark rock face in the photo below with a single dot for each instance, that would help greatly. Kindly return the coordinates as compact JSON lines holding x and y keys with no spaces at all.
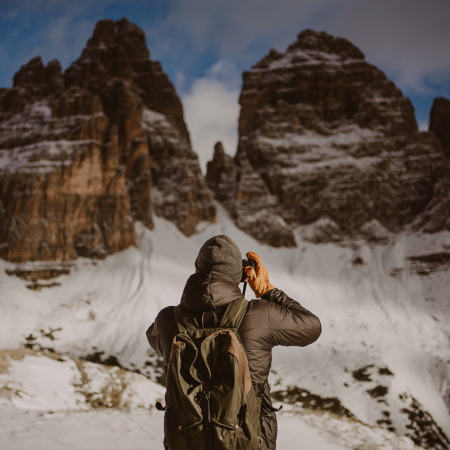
{"x":85,"y":153}
{"x":440,"y":122}
{"x":247,"y":198}
{"x":327,"y":141}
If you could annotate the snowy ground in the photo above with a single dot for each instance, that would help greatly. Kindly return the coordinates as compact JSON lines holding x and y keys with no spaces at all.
{"x":141,"y":429}
{"x":386,"y":317}
{"x":48,"y":401}
{"x":51,"y":382}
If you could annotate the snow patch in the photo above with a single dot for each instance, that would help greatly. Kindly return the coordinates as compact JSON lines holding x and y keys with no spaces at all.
{"x":150,"y":117}
{"x":40,"y":108}
{"x":47,"y":381}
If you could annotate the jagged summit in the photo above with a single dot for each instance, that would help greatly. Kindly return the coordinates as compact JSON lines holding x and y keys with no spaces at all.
{"x":310,"y":45}
{"x":328,"y":141}
{"x":35,"y":74}
{"x":91,"y":150}
{"x":328,"y":81}
{"x":110,"y":33}
{"x":310,"y":40}
{"x":32,"y":82}
{"x":116,"y":51}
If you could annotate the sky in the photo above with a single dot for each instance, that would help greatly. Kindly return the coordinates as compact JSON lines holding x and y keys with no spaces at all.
{"x":205,"y":45}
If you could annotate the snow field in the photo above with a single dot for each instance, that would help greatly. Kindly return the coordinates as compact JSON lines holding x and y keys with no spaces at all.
{"x":370,"y":318}
{"x":140,"y":429}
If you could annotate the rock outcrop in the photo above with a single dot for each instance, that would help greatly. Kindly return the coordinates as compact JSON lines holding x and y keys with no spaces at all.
{"x":440,"y":122}
{"x":85,"y":153}
{"x":245,"y":195}
{"x":326,"y":139}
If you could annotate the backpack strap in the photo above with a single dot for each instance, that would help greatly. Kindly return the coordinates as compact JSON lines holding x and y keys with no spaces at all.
{"x":185,"y":320}
{"x":232,"y":317}
{"x":234,"y":314}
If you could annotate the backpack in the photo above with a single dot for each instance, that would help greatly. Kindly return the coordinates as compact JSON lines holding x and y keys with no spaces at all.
{"x":210,"y":400}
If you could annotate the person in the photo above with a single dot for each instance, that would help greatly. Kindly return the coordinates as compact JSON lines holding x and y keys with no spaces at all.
{"x":270,"y":320}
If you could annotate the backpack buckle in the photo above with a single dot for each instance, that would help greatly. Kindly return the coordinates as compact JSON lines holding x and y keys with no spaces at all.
{"x":202,"y":398}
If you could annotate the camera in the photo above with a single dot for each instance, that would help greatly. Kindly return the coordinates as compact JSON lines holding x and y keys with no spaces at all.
{"x":247,"y":263}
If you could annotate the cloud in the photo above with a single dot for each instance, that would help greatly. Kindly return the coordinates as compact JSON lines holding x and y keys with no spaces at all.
{"x":62,"y":38}
{"x":406,"y":38}
{"x":12,"y":14}
{"x":48,"y":28}
{"x":233,"y":29}
{"x":409,"y":39}
{"x":211,"y":110}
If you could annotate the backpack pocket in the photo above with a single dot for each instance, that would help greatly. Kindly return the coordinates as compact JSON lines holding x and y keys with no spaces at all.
{"x":182,"y":438}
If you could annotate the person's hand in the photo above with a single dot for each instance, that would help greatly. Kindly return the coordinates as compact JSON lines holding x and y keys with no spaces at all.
{"x":258,"y":278}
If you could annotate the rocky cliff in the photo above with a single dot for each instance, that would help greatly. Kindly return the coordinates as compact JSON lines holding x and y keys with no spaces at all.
{"x":327,"y":145}
{"x":86,"y":153}
{"x":440,"y":122}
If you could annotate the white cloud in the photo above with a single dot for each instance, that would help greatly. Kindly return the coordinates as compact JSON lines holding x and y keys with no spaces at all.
{"x":211,"y":111}
{"x":407,"y":38}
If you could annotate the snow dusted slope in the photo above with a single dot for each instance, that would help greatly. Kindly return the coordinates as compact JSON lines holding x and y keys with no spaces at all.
{"x":49,"y":381}
{"x":384,"y":351}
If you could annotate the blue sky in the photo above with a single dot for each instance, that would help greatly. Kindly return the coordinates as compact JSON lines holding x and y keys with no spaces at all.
{"x":204,"y":45}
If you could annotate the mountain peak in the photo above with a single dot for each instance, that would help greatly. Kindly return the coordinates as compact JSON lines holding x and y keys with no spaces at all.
{"x":38,"y":80}
{"x":325,"y":144}
{"x":310,"y":40}
{"x":123,"y":33}
{"x":102,"y":146}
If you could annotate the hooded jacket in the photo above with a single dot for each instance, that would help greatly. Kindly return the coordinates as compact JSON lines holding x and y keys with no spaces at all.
{"x":275,"y":319}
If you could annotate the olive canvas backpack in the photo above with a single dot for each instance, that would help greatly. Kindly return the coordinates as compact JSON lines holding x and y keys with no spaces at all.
{"x":210,"y":400}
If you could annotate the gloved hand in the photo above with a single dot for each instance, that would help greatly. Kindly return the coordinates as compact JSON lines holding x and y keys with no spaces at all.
{"x":258,"y":279}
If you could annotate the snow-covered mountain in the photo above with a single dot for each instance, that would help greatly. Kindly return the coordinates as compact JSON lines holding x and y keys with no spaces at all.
{"x":86,"y":152}
{"x":326,"y":137}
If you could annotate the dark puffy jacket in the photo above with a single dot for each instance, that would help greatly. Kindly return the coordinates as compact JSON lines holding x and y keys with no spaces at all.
{"x":275,"y":319}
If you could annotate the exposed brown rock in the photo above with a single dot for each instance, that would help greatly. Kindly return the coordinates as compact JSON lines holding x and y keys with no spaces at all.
{"x":333,"y":142}
{"x":140,"y":99}
{"x":37,"y":80}
{"x":440,"y":122}
{"x":82,"y":154}
{"x":43,"y":273}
